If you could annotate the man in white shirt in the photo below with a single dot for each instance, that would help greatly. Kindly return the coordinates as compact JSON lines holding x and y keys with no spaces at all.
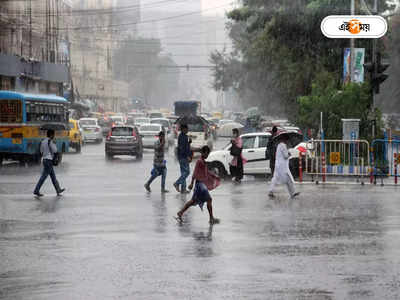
{"x":282,"y":174}
{"x":48,"y":148}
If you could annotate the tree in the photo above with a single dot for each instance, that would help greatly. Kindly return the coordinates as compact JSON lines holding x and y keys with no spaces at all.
{"x":138,"y":61}
{"x":352,"y":101}
{"x":279,"y":51}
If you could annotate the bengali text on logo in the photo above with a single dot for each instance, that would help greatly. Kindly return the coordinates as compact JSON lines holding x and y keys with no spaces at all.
{"x":354,"y":27}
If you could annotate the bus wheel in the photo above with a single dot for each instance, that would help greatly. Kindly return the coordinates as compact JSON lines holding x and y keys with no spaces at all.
{"x":1,"y":160}
{"x":78,"y":148}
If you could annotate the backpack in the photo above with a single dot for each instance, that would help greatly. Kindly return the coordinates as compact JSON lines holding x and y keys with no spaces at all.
{"x":56,"y":156}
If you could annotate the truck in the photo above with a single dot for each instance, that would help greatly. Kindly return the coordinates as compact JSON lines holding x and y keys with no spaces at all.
{"x":187,"y":108}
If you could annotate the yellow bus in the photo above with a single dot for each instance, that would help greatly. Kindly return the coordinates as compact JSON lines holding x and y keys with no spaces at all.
{"x":24,"y":121}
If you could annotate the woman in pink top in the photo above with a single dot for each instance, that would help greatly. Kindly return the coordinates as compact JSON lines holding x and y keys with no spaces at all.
{"x":236,"y":165}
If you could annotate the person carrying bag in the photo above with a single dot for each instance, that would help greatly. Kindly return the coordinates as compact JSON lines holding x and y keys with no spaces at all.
{"x":50,"y":158}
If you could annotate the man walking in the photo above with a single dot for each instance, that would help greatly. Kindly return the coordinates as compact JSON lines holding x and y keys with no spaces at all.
{"x":184,"y":158}
{"x":159,"y":164}
{"x":282,"y":174}
{"x":48,"y":149}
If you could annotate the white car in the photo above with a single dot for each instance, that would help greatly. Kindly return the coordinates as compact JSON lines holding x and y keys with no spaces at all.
{"x":140,"y":121}
{"x":254,"y":148}
{"x":118,"y":120}
{"x":149,"y":133}
{"x":225,"y":121}
{"x":91,"y":131}
{"x":170,"y":137}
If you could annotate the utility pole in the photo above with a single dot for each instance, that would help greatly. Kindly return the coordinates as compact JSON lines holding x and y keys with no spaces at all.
{"x":352,"y":42}
{"x":30,"y":28}
{"x":374,"y":63}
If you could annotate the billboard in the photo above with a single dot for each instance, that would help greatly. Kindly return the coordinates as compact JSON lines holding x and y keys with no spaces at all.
{"x":358,"y":65}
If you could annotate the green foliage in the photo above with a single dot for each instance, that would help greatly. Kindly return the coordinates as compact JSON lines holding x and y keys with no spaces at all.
{"x":352,"y":102}
{"x":279,"y":51}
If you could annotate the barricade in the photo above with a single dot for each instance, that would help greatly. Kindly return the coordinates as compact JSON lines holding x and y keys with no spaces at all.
{"x":325,"y":158}
{"x":385,"y":157}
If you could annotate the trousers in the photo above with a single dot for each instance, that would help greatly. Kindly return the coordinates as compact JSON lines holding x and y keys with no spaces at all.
{"x":158,"y":171}
{"x":185,"y":172}
{"x":47,"y":170}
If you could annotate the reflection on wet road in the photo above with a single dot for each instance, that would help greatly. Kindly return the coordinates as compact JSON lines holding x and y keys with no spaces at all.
{"x":108,"y":239}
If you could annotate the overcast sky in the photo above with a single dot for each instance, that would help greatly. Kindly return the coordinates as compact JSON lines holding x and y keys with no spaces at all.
{"x":208,"y":4}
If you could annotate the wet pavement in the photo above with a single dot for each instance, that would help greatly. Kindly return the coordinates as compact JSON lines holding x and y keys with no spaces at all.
{"x":106,"y":238}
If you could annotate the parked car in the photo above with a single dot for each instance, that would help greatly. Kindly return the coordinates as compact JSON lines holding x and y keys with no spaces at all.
{"x":254,"y":151}
{"x":149,"y":133}
{"x":141,"y":121}
{"x":91,"y":130}
{"x":168,"y":128}
{"x":124,"y":140}
{"x":75,"y":136}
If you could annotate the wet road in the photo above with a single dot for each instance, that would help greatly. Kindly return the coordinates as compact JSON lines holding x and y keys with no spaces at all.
{"x":108,"y":239}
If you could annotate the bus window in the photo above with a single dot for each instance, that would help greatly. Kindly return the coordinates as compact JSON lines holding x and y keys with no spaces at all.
{"x":10,"y":111}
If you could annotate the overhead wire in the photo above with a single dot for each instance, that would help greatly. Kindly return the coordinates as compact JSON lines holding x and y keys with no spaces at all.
{"x":101,"y":11}
{"x":147,"y":21}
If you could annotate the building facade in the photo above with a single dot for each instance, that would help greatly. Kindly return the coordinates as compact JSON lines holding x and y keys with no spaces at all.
{"x":92,"y":46}
{"x":34,"y":45}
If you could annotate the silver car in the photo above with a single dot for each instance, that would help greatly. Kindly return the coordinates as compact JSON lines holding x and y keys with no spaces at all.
{"x":169,"y":134}
{"x":149,"y":133}
{"x":91,"y":130}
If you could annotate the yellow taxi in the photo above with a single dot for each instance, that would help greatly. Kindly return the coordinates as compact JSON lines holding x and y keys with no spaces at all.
{"x":75,"y":135}
{"x":217,"y":115}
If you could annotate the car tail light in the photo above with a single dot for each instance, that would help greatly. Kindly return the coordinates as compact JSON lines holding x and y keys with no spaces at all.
{"x":108,"y":136}
{"x":97,"y":130}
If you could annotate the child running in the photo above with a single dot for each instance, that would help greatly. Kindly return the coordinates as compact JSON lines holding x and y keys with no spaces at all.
{"x":205,"y":181}
{"x":159,"y":164}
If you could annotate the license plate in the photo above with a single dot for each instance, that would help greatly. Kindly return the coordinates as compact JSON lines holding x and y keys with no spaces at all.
{"x":121,"y":140}
{"x":87,"y":131}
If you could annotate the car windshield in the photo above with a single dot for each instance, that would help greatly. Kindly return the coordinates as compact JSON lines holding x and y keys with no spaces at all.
{"x":164,"y":123}
{"x":150,"y":128}
{"x":156,"y":115}
{"x":117,"y":118}
{"x":122,"y":131}
{"x":196,"y":127}
{"x":88,"y":122}
{"x":143,"y":120}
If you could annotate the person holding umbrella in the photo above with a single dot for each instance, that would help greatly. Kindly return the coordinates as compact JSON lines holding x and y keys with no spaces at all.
{"x":282,"y":174}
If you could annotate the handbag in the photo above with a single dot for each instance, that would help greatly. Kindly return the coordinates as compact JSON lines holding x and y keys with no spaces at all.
{"x":56,"y":156}
{"x":235,"y":150}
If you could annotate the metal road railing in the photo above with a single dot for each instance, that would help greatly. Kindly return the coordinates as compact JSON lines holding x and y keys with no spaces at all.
{"x":335,"y":157}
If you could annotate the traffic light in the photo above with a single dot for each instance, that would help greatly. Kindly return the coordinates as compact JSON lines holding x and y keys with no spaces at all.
{"x":380,"y":76}
{"x":376,"y":70}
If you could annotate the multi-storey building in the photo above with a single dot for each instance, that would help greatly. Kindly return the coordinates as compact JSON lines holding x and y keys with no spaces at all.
{"x":34,"y":45}
{"x":92,"y":46}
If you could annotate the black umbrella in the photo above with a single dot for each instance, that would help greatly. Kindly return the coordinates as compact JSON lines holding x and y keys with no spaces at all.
{"x":293,"y":137}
